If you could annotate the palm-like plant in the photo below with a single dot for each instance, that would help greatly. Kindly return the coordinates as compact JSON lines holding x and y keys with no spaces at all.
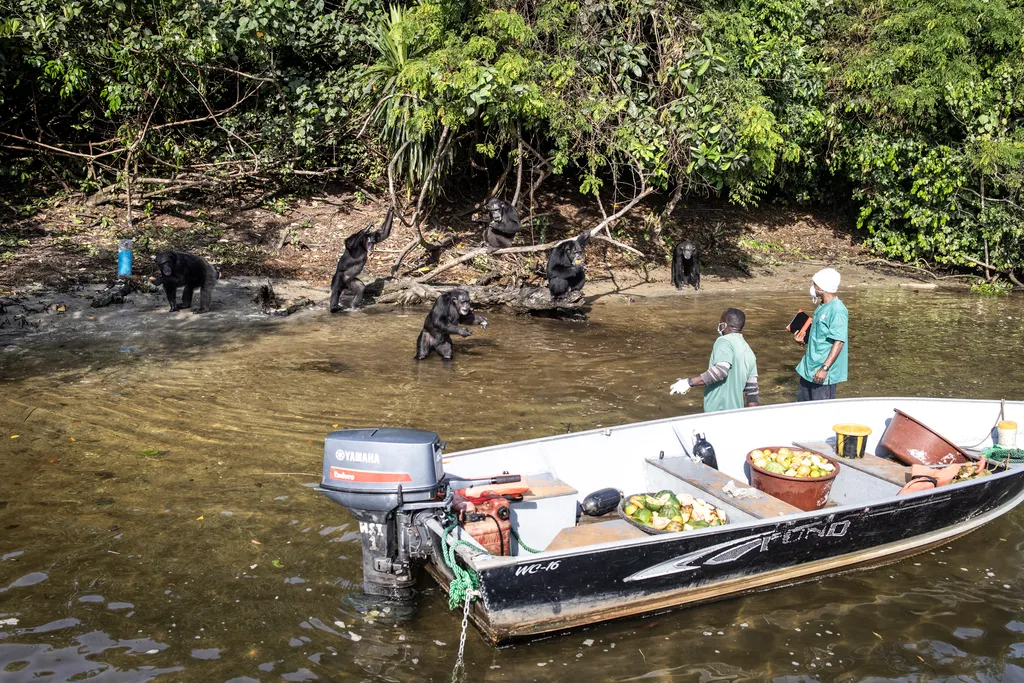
{"x":408,"y":123}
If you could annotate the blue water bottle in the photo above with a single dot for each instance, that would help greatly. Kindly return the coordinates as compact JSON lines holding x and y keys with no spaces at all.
{"x":124,"y":258}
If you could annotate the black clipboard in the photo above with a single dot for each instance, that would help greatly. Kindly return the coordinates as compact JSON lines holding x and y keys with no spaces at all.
{"x":799,"y":322}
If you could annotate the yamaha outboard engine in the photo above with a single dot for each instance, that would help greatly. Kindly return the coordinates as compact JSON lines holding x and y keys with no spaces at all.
{"x":373,"y":472}
{"x":391,"y":480}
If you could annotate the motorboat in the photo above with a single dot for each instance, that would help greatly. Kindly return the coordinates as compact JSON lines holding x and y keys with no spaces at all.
{"x":410,"y":498}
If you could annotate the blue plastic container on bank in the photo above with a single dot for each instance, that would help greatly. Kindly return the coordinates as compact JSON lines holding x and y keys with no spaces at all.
{"x":124,"y":258}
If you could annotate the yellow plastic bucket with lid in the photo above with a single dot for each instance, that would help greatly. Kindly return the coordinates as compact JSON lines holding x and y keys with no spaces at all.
{"x":1006,"y":434}
{"x":851,"y":439}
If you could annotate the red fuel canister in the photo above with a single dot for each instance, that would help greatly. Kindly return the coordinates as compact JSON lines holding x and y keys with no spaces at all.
{"x":488,"y":521}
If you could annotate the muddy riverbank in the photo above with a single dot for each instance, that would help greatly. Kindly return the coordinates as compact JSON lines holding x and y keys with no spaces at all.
{"x":38,"y":309}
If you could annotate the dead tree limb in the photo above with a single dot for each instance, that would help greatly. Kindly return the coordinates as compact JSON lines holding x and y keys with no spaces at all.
{"x":677,"y":194}
{"x":519,"y":168}
{"x":986,"y":266}
{"x":417,"y":216}
{"x":493,"y":192}
{"x":482,"y":251}
{"x":516,"y":299}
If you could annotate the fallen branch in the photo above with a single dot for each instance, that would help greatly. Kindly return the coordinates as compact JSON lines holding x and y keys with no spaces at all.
{"x":516,"y":299}
{"x":481,"y":251}
{"x":988,"y":266}
{"x":115,"y":294}
{"x":620,"y":245}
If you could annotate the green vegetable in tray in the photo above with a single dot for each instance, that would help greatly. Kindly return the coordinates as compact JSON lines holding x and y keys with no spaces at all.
{"x":668,"y":498}
{"x":671,"y":512}
{"x":652,"y":503}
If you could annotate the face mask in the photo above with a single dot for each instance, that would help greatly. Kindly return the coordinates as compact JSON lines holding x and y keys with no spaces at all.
{"x":814,"y":295}
{"x":721,"y":329}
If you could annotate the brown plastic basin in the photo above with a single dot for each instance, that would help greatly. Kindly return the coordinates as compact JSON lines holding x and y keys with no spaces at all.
{"x":806,"y":494}
{"x":914,"y":443}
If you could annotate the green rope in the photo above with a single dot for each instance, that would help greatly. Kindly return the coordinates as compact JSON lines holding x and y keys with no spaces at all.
{"x":1000,"y":454}
{"x":466,"y":580}
{"x":521,"y":544}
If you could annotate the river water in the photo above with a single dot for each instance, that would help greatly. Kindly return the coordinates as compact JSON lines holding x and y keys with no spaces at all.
{"x":157,"y":520}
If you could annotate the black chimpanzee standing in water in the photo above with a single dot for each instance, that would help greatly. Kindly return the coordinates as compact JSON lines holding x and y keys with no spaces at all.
{"x":357,"y":247}
{"x":686,"y":265}
{"x":565,"y":266}
{"x":450,"y":312}
{"x":188,"y":271}
{"x":502,"y":224}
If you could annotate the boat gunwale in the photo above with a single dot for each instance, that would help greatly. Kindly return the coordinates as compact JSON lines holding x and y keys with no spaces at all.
{"x":774,"y":406}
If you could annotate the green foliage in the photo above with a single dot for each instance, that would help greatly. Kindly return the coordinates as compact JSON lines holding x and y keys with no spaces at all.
{"x":931,"y":133}
{"x":225,"y":85}
{"x":997,"y":288}
{"x":909,"y":110}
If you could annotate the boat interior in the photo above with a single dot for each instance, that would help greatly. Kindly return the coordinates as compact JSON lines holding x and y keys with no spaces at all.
{"x":652,"y":456}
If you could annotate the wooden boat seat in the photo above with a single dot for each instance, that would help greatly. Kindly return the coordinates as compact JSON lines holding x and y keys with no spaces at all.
{"x":886,"y":470}
{"x":711,"y":482}
{"x":543,"y":485}
{"x":589,"y":534}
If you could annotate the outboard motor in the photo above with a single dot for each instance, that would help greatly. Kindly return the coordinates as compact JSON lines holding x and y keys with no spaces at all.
{"x":392,"y":481}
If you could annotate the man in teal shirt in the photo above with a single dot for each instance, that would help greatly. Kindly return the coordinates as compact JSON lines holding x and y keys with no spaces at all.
{"x":732,"y":372}
{"x":824,"y":362}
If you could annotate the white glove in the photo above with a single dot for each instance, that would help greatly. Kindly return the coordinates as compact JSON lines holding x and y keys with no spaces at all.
{"x":680,"y":387}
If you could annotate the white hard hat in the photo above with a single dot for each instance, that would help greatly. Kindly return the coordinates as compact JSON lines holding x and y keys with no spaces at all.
{"x":827,"y":280}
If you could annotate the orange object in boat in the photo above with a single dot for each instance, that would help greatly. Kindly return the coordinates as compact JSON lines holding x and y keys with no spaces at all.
{"x":479,"y":493}
{"x":487,"y":520}
{"x":923,"y":477}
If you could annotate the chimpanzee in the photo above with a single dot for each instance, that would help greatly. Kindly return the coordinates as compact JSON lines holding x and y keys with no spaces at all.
{"x":565,"y":266}
{"x":686,"y":265}
{"x":450,"y":312}
{"x":188,"y":271}
{"x":502,"y":225}
{"x":357,"y":247}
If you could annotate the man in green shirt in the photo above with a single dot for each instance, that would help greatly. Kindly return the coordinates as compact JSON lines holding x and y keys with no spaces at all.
{"x":824,"y":362}
{"x":732,"y":373}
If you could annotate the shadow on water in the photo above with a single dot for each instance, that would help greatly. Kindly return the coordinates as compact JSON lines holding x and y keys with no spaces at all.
{"x":157,"y":517}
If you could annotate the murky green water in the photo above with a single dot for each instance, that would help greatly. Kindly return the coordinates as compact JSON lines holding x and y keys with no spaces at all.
{"x":211,"y":559}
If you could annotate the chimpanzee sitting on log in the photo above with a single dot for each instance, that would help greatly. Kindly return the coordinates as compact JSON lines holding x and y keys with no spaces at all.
{"x":502,"y":225}
{"x":450,"y":312}
{"x":357,"y":248}
{"x":565,"y":266}
{"x":188,"y":271}
{"x":686,"y":265}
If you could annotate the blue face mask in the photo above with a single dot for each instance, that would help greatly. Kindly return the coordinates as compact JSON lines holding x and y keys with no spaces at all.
{"x":721,"y":329}
{"x":814,"y":294}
